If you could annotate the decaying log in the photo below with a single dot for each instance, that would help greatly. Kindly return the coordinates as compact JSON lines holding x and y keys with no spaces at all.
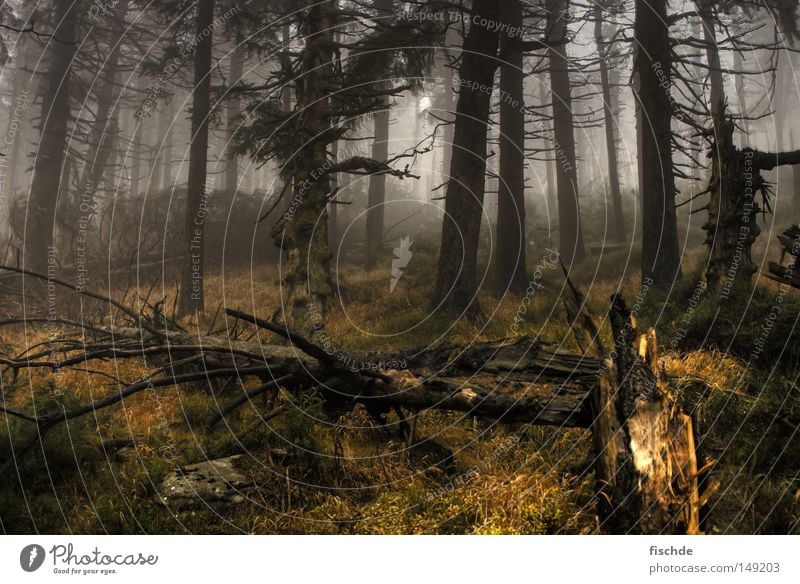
{"x":646,"y":465}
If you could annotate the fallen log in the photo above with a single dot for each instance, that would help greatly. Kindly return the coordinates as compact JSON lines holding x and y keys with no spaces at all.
{"x":645,"y":460}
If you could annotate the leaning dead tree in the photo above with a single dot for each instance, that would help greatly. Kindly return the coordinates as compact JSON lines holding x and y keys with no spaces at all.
{"x":646,"y":465}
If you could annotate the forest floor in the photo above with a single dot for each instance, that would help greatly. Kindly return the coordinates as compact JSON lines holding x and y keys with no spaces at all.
{"x":463,"y":475}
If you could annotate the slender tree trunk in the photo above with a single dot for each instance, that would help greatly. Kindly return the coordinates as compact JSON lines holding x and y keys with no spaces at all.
{"x":332,"y":206}
{"x":510,"y":256}
{"x":136,"y":148}
{"x":233,"y":111}
{"x":741,"y":97}
{"x":192,"y":273}
{"x":569,"y":214}
{"x":661,"y":260}
{"x":637,"y":111}
{"x":376,"y":198}
{"x":15,"y":130}
{"x":449,"y":102}
{"x":104,"y":130}
{"x":52,"y":153}
{"x":456,"y":279}
{"x":168,"y":125}
{"x":611,"y":139}
{"x":545,"y":97}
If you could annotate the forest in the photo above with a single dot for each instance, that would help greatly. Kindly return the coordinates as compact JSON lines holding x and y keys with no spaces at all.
{"x":384,"y":267}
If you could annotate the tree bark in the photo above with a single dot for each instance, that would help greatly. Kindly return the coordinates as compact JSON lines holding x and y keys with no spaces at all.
{"x":450,"y":39}
{"x":646,"y":460}
{"x":51,"y":157}
{"x":456,"y":278}
{"x":168,"y":125}
{"x":137,"y":158}
{"x":661,"y":260}
{"x":611,"y":139}
{"x":191,"y":283}
{"x":233,"y":110}
{"x":510,"y":255}
{"x":569,"y":215}
{"x":302,"y":232}
{"x":376,"y":197}
{"x":545,"y":97}
{"x":104,"y":129}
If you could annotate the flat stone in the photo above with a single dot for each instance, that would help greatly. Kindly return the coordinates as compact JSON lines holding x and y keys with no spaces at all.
{"x":210,"y":481}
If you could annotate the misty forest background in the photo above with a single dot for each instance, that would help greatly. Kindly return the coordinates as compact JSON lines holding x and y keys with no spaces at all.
{"x":374,"y":176}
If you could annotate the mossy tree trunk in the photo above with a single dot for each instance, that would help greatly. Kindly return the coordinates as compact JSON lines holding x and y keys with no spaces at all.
{"x":302,"y":232}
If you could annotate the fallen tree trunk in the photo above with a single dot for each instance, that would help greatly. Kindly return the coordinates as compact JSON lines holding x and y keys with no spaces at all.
{"x":646,"y":466}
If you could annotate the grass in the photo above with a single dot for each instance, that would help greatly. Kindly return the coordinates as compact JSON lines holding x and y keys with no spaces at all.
{"x":465,"y":476}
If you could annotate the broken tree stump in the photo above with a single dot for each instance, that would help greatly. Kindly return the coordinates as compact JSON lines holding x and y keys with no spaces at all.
{"x":646,"y":459}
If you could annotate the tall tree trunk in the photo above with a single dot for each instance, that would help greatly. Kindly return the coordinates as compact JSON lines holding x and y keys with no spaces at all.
{"x":104,"y":129}
{"x":451,"y":38}
{"x":136,"y":149}
{"x":51,"y":156}
{"x":735,"y":182}
{"x":191,"y":292}
{"x":376,"y":197}
{"x":569,"y":214}
{"x":15,"y":130}
{"x":456,"y":278}
{"x":661,"y":260}
{"x":168,"y":125}
{"x":741,"y":98}
{"x":333,"y":236}
{"x":233,"y":111}
{"x":510,"y":256}
{"x":732,"y":210}
{"x":639,"y":122}
{"x":302,"y":232}
{"x":545,"y":97}
{"x":611,"y":139}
